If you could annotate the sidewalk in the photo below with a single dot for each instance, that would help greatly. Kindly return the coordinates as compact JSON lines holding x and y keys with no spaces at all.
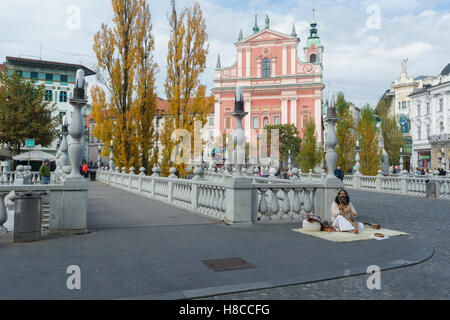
{"x":141,"y":248}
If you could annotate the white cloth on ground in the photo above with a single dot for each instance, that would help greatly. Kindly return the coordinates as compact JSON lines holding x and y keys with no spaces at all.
{"x":343,"y":224}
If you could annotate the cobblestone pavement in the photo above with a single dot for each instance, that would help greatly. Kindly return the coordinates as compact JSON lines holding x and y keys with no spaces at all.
{"x":424,"y":219}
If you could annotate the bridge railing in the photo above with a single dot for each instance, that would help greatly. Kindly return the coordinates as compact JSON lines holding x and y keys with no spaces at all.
{"x":247,"y":200}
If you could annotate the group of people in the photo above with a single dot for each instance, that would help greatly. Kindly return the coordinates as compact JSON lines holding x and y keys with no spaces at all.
{"x":423,"y":171}
{"x":45,"y":170}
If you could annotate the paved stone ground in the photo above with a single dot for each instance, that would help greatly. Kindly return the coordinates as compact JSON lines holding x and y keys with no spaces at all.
{"x":141,"y":248}
{"x":424,"y":219}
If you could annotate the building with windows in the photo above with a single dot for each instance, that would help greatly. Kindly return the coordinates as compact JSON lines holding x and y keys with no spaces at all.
{"x":431,"y":121}
{"x":59,"y":81}
{"x":401,"y":106}
{"x":278,"y":87}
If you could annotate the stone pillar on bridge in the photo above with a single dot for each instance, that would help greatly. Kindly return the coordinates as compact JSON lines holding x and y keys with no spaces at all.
{"x":331,"y":182}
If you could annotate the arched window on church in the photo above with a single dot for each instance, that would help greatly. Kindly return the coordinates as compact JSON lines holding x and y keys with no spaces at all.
{"x":312,"y":58}
{"x":266,"y":68}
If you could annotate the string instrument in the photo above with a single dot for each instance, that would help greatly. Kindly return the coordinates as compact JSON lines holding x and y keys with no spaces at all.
{"x":344,"y":202}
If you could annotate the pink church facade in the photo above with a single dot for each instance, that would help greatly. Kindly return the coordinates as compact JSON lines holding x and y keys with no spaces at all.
{"x":278,"y":87}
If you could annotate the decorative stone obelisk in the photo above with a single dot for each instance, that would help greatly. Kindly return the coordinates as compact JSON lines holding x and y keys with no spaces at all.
{"x":357,"y":159}
{"x":384,"y":156}
{"x":238,"y":133}
{"x":76,"y":128}
{"x":240,"y":198}
{"x":331,"y":183}
{"x":111,"y":157}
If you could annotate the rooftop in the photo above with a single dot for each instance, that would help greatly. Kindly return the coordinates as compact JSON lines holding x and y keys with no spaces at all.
{"x":16,"y":61}
{"x":446,"y":70}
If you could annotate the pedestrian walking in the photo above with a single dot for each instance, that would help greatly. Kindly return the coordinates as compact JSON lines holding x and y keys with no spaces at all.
{"x":44,"y":172}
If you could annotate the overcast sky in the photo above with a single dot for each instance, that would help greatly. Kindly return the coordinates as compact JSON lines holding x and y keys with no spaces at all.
{"x":365,"y":41}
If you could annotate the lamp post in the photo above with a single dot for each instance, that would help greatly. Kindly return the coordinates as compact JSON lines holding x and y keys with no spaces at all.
{"x":99,"y":157}
{"x":238,"y":134}
{"x":443,"y":159}
{"x":385,"y":156}
{"x":111,"y":157}
{"x":289,"y":160}
{"x":401,"y":160}
{"x":357,"y":159}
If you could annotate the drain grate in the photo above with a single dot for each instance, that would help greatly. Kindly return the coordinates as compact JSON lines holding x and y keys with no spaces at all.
{"x":228,"y":264}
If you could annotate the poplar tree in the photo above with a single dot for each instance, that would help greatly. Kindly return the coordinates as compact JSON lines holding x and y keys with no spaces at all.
{"x":345,"y":132}
{"x":186,"y":60}
{"x":370,"y":153}
{"x":124,"y":112}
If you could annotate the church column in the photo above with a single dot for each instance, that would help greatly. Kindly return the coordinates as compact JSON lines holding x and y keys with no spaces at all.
{"x":274,"y":67}
{"x":247,"y":119}
{"x":247,"y":63}
{"x":258,"y":67}
{"x":293,"y":59}
{"x":217,"y":117}
{"x":294,"y":111}
{"x":284,"y":113}
{"x":239,"y":64}
{"x":318,"y":118}
{"x":284,"y":62}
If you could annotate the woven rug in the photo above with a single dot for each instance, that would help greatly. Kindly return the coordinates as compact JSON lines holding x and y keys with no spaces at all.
{"x":367,"y":234}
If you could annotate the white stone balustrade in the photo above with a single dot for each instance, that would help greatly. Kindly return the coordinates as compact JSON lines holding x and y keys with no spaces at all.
{"x":231,"y":200}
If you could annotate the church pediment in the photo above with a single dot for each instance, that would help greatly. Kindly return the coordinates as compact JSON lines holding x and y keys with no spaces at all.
{"x":267,"y":35}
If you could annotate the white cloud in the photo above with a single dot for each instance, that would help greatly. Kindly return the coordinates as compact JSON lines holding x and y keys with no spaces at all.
{"x":359,"y":61}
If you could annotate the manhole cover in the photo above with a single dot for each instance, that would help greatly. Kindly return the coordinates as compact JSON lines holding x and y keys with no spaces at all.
{"x":228,"y":264}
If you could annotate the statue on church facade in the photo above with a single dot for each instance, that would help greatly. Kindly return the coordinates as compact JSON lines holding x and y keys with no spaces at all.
{"x":404,"y":65}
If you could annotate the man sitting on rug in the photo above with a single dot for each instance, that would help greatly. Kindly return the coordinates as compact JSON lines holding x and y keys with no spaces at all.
{"x":343,"y":212}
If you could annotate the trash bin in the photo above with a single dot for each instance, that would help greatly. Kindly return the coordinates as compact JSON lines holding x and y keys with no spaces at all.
{"x":430,"y":188}
{"x":27,"y":217}
{"x":93,"y":174}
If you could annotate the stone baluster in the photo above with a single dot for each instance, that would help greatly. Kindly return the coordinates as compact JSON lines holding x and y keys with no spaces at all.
{"x":274,"y":206}
{"x":308,"y":205}
{"x":286,"y":206}
{"x":263,"y":207}
{"x":142,"y":171}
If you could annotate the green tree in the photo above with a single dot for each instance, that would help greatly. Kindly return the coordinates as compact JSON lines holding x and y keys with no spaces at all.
{"x":392,"y":134}
{"x":24,"y":113}
{"x":345,"y":132}
{"x":369,"y":142}
{"x":309,"y":156}
{"x":289,"y":140}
